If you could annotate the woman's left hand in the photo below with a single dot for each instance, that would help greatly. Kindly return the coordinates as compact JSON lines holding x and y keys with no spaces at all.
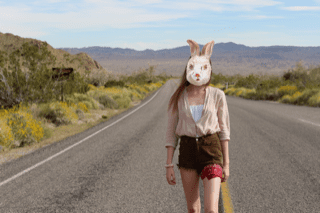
{"x":225,"y":171}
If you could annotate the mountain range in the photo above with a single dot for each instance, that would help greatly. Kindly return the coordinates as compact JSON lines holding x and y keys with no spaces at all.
{"x":227,"y":58}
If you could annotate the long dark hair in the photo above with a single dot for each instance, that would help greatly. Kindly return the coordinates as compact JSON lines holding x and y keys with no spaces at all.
{"x":183,"y":84}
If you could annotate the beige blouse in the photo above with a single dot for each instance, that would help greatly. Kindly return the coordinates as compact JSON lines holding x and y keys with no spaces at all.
{"x":214,"y":118}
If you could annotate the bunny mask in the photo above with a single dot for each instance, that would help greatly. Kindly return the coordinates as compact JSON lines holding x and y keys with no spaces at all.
{"x":198,"y":67}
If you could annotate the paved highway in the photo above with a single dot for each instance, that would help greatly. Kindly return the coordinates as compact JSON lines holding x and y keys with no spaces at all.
{"x":118,"y":166}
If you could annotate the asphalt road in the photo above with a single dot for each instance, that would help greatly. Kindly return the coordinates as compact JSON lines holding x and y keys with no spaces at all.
{"x":274,"y":163}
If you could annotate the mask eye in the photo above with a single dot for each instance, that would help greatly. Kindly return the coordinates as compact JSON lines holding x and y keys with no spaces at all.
{"x":205,"y":67}
{"x":190,"y":66}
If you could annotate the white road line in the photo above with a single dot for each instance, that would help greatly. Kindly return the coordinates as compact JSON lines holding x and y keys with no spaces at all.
{"x":309,"y":122}
{"x":59,"y":153}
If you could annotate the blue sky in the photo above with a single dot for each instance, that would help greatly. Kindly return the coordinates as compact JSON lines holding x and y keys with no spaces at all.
{"x":161,"y":24}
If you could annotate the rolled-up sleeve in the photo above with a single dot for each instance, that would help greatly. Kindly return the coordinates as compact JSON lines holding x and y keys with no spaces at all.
{"x":171,"y":137}
{"x":223,"y":118}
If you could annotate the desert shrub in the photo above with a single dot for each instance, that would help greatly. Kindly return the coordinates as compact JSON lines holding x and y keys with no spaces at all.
{"x":58,"y":113}
{"x":270,"y":94}
{"x":108,"y":102}
{"x":19,"y":128}
{"x":120,"y":95}
{"x":291,"y":99}
{"x":123,"y":102}
{"x":306,"y":95}
{"x":240,"y":92}
{"x":113,"y":83}
{"x":314,"y":100}
{"x":98,"y":77}
{"x":250,"y":81}
{"x":267,"y":84}
{"x":249,"y":94}
{"x":103,"y":98}
{"x":138,"y":88}
{"x":287,"y":90}
{"x":285,"y":99}
{"x":219,"y":85}
{"x":230,"y":91}
{"x":151,"y":87}
{"x":82,"y":107}
{"x":80,"y":113}
{"x":75,"y":98}
{"x":218,"y":78}
{"x":295,"y":97}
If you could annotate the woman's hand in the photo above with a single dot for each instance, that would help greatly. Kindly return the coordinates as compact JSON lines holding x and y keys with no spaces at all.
{"x":170,"y":173}
{"x":225,"y":171}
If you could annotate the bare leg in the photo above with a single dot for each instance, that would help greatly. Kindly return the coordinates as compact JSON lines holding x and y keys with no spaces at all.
{"x":211,"y":194}
{"x":190,"y":181}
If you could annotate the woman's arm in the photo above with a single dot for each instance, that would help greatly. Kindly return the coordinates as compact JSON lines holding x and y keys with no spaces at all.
{"x":225,"y":152}
{"x":170,"y":151}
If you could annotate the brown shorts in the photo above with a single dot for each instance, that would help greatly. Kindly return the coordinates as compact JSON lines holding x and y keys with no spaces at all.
{"x":198,"y":154}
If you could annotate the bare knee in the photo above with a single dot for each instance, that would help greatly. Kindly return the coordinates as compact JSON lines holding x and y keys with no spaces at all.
{"x":194,"y":207}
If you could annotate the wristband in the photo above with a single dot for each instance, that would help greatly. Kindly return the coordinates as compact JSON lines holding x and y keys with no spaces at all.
{"x":169,"y":165}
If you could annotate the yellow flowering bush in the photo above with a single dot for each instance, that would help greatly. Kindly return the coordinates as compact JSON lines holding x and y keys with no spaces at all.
{"x":287,"y":90}
{"x":285,"y":99}
{"x":296,"y":95}
{"x":58,"y":113}
{"x":83,"y":107}
{"x":19,"y":127}
{"x":230,"y":91}
{"x":314,"y":100}
{"x":220,"y":86}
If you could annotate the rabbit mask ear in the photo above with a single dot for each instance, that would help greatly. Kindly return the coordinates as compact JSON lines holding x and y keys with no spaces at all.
{"x":194,"y":48}
{"x":207,"y":49}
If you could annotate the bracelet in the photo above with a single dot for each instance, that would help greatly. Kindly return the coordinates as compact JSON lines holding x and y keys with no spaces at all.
{"x":169,"y":165}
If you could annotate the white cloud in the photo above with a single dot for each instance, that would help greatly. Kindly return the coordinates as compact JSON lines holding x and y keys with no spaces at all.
{"x":56,"y":1}
{"x":262,"y":17}
{"x":252,"y":2}
{"x":101,"y":14}
{"x":23,"y":31}
{"x":148,"y":1}
{"x":163,"y":44}
{"x":302,"y":8}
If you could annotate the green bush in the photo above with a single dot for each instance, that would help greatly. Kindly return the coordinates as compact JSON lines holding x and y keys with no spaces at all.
{"x":58,"y":113}
{"x":269,"y":84}
{"x":123,"y":101}
{"x":271,"y":94}
{"x":80,"y":113}
{"x":287,"y":90}
{"x":24,"y":128}
{"x":113,"y":83}
{"x":75,"y":98}
{"x":306,"y":95}
{"x":108,"y":102}
{"x":250,"y":81}
{"x":314,"y":100}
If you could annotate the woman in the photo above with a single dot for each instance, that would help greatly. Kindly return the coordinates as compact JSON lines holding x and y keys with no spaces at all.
{"x":198,"y":115}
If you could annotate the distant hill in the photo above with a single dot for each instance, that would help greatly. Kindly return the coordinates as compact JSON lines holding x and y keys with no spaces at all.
{"x":80,"y":62}
{"x":227,"y":58}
